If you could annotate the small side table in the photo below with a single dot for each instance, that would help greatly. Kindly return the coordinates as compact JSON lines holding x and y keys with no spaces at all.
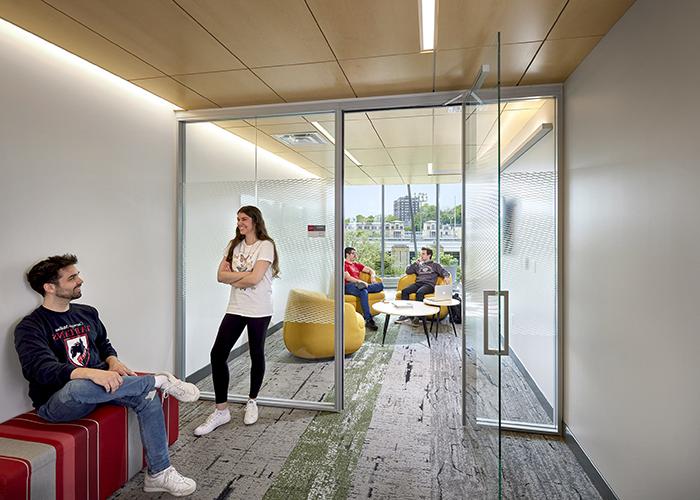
{"x":417,"y":310}
{"x":442,"y":303}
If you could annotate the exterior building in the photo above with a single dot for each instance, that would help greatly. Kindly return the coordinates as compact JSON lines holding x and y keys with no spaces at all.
{"x":393,"y":229}
{"x":402,"y":207}
{"x":429,"y":229}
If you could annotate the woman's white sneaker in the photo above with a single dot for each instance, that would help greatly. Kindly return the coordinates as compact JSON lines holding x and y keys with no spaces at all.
{"x":216,"y":419}
{"x":251,"y":412}
{"x":170,"y":481}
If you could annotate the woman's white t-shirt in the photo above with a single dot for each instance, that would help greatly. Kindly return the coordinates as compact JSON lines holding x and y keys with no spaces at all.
{"x":254,"y":301}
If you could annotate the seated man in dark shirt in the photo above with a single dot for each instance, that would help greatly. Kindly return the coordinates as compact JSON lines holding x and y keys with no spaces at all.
{"x":427,"y":273}
{"x":72,"y":368}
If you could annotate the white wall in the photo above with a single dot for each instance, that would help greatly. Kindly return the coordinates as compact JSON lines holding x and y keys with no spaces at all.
{"x":632,"y":252}
{"x":88,"y":166}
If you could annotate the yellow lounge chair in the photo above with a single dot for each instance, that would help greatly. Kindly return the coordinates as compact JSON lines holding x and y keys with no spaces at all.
{"x":308,"y":326}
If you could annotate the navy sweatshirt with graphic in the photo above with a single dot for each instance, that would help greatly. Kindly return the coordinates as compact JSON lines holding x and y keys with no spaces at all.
{"x":51,"y":345}
{"x":427,"y":272}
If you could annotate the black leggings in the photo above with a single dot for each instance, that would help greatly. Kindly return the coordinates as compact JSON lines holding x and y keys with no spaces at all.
{"x":229,"y":331}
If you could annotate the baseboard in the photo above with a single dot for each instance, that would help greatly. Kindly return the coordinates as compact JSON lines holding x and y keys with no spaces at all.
{"x":533,"y":385}
{"x":206,"y":370}
{"x":591,"y":470}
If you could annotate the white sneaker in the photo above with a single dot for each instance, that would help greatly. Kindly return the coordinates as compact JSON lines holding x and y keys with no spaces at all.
{"x":170,"y":481}
{"x":251,"y":412}
{"x":216,"y":419}
{"x":180,"y":390}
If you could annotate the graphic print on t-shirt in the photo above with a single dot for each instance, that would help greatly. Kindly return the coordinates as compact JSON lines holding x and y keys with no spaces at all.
{"x":245,"y":259}
{"x":78,"y":350}
{"x":425,"y":269}
{"x":243,"y":262}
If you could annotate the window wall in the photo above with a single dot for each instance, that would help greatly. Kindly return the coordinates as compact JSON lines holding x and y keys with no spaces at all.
{"x":395,"y":202}
{"x":364,"y":230}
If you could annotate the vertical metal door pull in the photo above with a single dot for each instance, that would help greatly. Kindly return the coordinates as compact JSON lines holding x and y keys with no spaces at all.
{"x":506,"y":323}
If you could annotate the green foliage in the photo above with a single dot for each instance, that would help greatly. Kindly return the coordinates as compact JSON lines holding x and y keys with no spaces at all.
{"x":369,"y":252}
{"x":425,"y":213}
{"x":451,"y":216}
{"x":446,"y":260}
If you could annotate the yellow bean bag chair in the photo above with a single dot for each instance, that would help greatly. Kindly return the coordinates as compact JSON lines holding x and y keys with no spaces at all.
{"x":373,"y":297}
{"x":409,"y":279}
{"x":309,"y":323}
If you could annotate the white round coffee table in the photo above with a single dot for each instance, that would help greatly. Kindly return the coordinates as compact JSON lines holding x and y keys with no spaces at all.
{"x":442,"y":303}
{"x":415,"y":309}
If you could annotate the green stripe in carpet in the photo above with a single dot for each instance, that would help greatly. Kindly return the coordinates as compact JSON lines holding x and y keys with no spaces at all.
{"x":322,"y":463}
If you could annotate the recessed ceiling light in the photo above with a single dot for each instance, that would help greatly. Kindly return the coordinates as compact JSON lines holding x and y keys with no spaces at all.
{"x":301,"y":138}
{"x":427,"y":25}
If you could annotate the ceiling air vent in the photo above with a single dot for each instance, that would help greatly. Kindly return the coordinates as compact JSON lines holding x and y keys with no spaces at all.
{"x":301,"y":138}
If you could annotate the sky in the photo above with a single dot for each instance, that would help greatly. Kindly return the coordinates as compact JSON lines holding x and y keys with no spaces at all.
{"x":366,"y":200}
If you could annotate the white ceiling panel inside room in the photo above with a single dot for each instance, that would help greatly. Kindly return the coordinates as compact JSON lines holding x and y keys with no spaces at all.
{"x":396,"y":146}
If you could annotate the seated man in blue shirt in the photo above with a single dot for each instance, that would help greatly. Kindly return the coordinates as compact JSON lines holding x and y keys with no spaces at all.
{"x":72,"y":368}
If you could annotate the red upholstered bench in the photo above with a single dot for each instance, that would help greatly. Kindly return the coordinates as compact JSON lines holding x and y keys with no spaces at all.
{"x":88,"y":458}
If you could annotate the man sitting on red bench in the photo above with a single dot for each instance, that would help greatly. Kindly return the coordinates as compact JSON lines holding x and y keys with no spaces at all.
{"x":72,"y":368}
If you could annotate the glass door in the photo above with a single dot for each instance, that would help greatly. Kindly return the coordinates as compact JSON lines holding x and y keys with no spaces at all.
{"x":485,"y":338}
{"x":511,"y":371}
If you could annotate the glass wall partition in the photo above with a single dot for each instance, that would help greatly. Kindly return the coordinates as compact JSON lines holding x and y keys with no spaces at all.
{"x":284,"y":165}
{"x":528,"y":199}
{"x":511,"y":247}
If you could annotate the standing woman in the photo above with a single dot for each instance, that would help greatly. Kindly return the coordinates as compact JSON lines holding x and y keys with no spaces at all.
{"x":249,"y":264}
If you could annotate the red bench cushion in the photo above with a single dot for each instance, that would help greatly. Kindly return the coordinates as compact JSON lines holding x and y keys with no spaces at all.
{"x":88,"y":458}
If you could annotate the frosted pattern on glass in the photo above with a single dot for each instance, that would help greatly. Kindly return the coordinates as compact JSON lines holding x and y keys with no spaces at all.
{"x":306,"y":262}
{"x":529,"y":243}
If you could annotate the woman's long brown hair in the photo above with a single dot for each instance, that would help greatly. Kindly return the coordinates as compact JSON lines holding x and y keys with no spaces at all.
{"x":260,"y":233}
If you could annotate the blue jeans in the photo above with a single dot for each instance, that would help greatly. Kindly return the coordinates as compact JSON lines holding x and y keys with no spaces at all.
{"x":80,"y":397}
{"x":351,"y":289}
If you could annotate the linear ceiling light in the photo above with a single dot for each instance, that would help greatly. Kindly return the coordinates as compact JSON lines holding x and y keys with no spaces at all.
{"x":427,"y":25}
{"x":328,"y":136}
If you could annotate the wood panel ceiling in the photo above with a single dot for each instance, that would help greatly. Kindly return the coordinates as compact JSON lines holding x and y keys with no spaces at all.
{"x":216,"y":53}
